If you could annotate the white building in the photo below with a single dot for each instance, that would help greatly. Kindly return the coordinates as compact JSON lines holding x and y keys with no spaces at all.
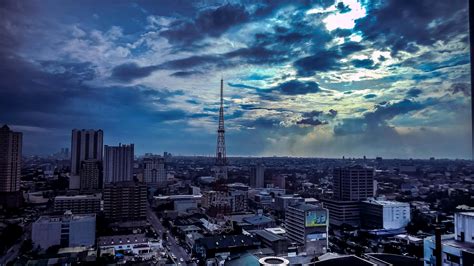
{"x":457,"y":249}
{"x":67,"y":230}
{"x":383,"y":214}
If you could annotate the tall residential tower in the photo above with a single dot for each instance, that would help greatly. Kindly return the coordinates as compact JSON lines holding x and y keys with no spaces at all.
{"x":85,"y":145}
{"x":10,"y":160}
{"x":118,"y":163}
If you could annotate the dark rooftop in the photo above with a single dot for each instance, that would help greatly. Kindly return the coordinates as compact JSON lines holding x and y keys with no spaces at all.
{"x":345,"y":261}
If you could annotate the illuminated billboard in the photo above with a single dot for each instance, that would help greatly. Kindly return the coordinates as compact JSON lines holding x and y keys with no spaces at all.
{"x":316,"y":218}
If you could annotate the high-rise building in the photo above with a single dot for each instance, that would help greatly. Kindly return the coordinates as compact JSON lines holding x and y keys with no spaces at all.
{"x":220,"y":168}
{"x":307,"y":227}
{"x":66,"y":230}
{"x":118,"y":163}
{"x":91,"y":171}
{"x":353,"y":183}
{"x":154,"y":172}
{"x":257,"y":176}
{"x":10,"y":159}
{"x":125,"y":201}
{"x":85,"y":145}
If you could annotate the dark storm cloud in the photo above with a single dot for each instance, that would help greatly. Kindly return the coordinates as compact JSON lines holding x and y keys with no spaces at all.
{"x":364,"y":63}
{"x":311,"y":122}
{"x":343,"y":8}
{"x":295,"y":87}
{"x":414,"y":92}
{"x":399,"y":24}
{"x":130,"y":71}
{"x":463,"y":88}
{"x":349,"y":48}
{"x":370,"y":96}
{"x":376,"y":120}
{"x":56,"y":94}
{"x":191,"y":62}
{"x":316,"y":118}
{"x":258,"y":55}
{"x":321,"y":61}
{"x":208,"y":23}
{"x":185,"y":74}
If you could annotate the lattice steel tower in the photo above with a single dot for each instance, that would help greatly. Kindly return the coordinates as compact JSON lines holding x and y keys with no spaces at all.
{"x":221,"y":158}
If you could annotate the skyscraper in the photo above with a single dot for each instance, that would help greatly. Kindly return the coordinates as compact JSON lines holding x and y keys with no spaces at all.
{"x":154,"y":172}
{"x":257,"y":176}
{"x":85,"y":145}
{"x":221,"y":157}
{"x":353,"y":183}
{"x":10,"y":160}
{"x":91,"y":171}
{"x":118,"y":163}
{"x":125,"y":201}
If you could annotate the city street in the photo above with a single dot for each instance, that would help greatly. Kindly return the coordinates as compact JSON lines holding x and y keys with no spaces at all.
{"x":13,"y":251}
{"x":174,"y":247}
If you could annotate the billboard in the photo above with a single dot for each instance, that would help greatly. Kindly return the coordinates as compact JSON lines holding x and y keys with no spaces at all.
{"x":316,"y":218}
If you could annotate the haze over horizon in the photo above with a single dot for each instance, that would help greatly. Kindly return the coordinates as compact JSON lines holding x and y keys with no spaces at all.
{"x":317,"y":78}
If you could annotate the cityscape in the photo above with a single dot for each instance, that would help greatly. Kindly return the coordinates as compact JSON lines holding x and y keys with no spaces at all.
{"x":333,"y":132}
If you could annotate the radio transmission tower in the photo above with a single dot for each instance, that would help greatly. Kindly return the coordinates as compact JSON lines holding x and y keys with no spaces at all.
{"x":221,"y":158}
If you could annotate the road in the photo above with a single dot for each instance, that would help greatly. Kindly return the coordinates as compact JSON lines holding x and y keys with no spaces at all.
{"x":14,"y":250}
{"x":175,"y":248}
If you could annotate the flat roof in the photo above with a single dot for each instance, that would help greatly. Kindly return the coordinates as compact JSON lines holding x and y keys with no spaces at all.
{"x":94,"y":196}
{"x":59,"y":218}
{"x":345,"y":260}
{"x":386,"y":202}
{"x":269,"y":236}
{"x":306,"y":207}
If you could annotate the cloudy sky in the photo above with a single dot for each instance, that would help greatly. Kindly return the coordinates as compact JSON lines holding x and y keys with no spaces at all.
{"x":302,"y":78}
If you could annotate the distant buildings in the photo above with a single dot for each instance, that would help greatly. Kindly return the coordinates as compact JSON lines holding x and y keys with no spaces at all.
{"x":79,"y":204}
{"x":154,"y":172}
{"x":68,"y":230}
{"x":10,"y":166}
{"x":383,"y":214}
{"x":457,"y":249}
{"x":91,"y":172}
{"x":118,"y":163}
{"x":233,"y":199}
{"x":307,"y":226}
{"x":125,"y":201}
{"x":85,"y":145}
{"x":257,"y":176}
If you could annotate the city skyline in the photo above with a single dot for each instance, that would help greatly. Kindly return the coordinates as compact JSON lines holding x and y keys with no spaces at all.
{"x":304,"y":78}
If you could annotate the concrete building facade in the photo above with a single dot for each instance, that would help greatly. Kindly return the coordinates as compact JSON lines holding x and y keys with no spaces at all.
{"x":118,"y":163}
{"x":68,"y":230}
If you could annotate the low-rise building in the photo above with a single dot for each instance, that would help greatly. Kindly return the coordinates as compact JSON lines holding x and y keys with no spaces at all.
{"x":383,"y":214}
{"x":78,"y":204}
{"x":456,"y":249}
{"x":68,"y":230}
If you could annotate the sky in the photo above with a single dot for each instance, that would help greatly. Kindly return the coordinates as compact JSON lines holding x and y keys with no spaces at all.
{"x":323,"y":78}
